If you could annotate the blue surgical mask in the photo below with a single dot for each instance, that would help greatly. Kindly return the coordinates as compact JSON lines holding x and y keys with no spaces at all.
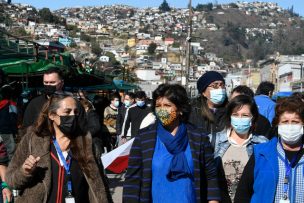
{"x":127,"y":103}
{"x":241,"y":125}
{"x":217,"y":96}
{"x":140,"y":103}
{"x":116,"y":104}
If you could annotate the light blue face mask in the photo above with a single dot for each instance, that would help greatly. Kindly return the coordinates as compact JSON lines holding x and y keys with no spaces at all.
{"x":116,"y":104}
{"x":127,"y":103}
{"x":241,"y":125}
{"x":140,"y":103}
{"x":217,"y":96}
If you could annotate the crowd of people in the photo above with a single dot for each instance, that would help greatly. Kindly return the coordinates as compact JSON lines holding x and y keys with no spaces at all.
{"x":242,"y":147}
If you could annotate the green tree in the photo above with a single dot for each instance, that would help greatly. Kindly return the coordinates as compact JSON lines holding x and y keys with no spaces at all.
{"x":152,"y":47}
{"x":85,"y":37}
{"x":164,"y":7}
{"x":46,"y":15}
{"x":95,"y":47}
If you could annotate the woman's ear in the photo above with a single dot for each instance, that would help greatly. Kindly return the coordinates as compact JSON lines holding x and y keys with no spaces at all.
{"x":51,"y":116}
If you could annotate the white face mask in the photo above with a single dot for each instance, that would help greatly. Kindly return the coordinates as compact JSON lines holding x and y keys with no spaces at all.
{"x":290,"y":133}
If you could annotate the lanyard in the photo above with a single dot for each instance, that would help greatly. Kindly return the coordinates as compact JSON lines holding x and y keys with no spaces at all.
{"x":66,"y":164}
{"x":288,"y":168}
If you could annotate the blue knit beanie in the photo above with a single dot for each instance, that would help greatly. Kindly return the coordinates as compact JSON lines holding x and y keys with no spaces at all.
{"x":208,"y":78}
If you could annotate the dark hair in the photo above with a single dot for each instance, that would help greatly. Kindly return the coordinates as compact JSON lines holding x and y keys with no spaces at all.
{"x":244,"y":90}
{"x":290,"y":105}
{"x":298,"y":95}
{"x":6,"y":92}
{"x":264,"y":88}
{"x":44,"y":127}
{"x":177,"y":95}
{"x":131,"y":95}
{"x":237,"y":103}
{"x":86,"y":103}
{"x":114,"y":96}
{"x":55,"y":70}
{"x":140,"y":95}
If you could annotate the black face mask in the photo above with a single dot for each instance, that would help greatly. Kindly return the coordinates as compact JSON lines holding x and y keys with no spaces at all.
{"x":68,"y":124}
{"x":49,"y":89}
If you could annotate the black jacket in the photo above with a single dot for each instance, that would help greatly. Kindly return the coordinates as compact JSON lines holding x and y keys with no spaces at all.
{"x":33,"y":110}
{"x":120,"y":119}
{"x":8,"y":117}
{"x":136,"y":115}
{"x":94,"y":123}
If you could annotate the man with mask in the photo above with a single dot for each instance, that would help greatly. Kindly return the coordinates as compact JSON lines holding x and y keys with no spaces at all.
{"x":128,"y":102}
{"x":52,"y":81}
{"x":136,"y":114}
{"x":209,"y":110}
{"x":109,"y":121}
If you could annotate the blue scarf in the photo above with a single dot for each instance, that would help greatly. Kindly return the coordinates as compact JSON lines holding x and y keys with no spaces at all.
{"x":176,"y":145}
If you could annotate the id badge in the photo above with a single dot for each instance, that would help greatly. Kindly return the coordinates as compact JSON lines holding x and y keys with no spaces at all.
{"x":69,"y":200}
{"x":284,"y":201}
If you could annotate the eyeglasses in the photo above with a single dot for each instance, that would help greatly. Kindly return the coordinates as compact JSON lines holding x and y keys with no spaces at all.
{"x":217,"y":85}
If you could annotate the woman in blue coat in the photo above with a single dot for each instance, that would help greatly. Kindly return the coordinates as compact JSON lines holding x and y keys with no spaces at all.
{"x":275,"y":171}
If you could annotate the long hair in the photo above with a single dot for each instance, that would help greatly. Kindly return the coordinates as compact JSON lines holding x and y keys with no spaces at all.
{"x":43,"y":127}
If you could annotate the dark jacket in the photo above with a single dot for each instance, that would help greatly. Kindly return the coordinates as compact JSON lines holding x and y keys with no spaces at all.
{"x":94,"y":123}
{"x":135,"y":116}
{"x":33,"y":109}
{"x":262,"y":127}
{"x":138,"y":182}
{"x":120,"y":119}
{"x":8,"y":117}
{"x":3,"y":154}
{"x":36,"y":187}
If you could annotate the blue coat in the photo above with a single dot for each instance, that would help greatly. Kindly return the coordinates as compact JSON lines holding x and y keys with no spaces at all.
{"x":266,"y":106}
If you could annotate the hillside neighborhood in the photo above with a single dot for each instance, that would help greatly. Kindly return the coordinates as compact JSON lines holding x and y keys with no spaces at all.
{"x":147,"y":46}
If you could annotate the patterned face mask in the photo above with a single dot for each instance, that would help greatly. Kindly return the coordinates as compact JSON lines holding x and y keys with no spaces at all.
{"x":165,"y":117}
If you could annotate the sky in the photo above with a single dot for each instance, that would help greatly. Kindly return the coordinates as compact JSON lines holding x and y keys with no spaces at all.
{"x":56,"y":4}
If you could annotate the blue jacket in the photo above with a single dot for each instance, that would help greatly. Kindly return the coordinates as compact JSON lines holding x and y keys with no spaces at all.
{"x":222,"y":143}
{"x":268,"y":167}
{"x":266,"y":106}
{"x":266,"y":171}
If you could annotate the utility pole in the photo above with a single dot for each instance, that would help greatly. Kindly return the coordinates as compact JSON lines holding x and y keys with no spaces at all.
{"x":301,"y":79}
{"x":188,"y":50}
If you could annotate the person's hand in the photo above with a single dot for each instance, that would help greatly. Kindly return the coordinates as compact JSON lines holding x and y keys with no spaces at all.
{"x":7,"y":195}
{"x":30,"y":164}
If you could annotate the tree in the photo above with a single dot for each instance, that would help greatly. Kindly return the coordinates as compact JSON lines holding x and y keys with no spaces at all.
{"x":46,"y":15}
{"x":164,"y":7}
{"x":95,"y":47}
{"x":85,"y":37}
{"x":204,"y":7}
{"x":127,"y":48}
{"x":152,"y":47}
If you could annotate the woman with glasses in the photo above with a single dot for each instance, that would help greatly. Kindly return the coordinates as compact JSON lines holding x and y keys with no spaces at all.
{"x":274,"y":173}
{"x":54,"y":160}
{"x":209,"y":112}
{"x":234,"y":145}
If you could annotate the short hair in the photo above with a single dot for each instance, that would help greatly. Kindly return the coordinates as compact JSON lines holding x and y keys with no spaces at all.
{"x":177,"y":95}
{"x":290,"y":105}
{"x":130,"y":94}
{"x":140,"y":94}
{"x":6,"y":92}
{"x":244,"y":90}
{"x":237,"y":103}
{"x":298,"y":95}
{"x":264,"y":88}
{"x":55,"y":70}
{"x":114,"y":96}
